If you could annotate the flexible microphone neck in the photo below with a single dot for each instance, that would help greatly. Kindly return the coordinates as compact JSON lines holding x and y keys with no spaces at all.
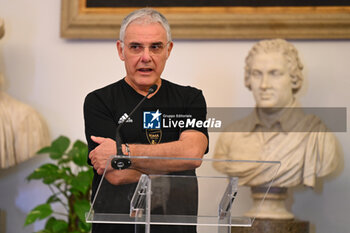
{"x":118,"y":138}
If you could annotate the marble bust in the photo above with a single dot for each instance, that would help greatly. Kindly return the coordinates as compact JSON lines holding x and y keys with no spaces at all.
{"x":277,"y":129}
{"x":22,"y":130}
{"x":2,"y":28}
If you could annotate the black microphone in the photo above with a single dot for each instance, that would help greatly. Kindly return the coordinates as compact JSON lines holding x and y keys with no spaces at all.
{"x":123,"y":163}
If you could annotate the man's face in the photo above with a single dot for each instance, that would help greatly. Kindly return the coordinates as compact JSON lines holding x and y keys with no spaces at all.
{"x":270,"y":80}
{"x":145,"y":52}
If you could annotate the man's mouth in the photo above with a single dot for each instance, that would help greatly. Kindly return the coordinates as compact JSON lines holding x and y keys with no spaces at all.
{"x":145,"y":69}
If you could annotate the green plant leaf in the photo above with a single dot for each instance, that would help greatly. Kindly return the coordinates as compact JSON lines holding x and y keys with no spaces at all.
{"x":44,"y":150}
{"x":57,"y":148}
{"x":60,"y":226}
{"x":79,"y":153}
{"x":54,"y":225}
{"x":39,"y":212}
{"x":84,"y":226}
{"x":43,"y":231}
{"x":67,"y":173}
{"x":49,"y":223}
{"x":64,"y":160}
{"x":81,"y":207}
{"x":61,"y":143}
{"x":82,"y":181}
{"x":48,"y":172}
{"x":52,"y":199}
{"x":90,"y":171}
{"x":69,"y":176}
{"x":61,"y":176}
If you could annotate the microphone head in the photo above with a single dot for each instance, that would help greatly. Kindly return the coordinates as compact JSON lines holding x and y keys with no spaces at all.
{"x":152,"y":89}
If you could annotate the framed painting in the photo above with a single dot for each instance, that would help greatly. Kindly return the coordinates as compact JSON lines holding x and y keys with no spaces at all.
{"x":214,"y":19}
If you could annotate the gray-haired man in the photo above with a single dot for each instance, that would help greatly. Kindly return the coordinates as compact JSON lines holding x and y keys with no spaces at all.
{"x":144,"y":46}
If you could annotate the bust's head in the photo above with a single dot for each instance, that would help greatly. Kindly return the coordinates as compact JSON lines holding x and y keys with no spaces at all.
{"x":273,"y":72}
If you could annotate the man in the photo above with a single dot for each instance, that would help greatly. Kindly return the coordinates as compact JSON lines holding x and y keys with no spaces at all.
{"x":144,"y":47}
{"x":277,"y":130}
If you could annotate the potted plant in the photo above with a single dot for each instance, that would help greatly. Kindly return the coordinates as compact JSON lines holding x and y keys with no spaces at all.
{"x":69,"y":177}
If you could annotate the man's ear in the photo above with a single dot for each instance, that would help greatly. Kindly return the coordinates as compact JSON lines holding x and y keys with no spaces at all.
{"x":120,"y":50}
{"x":169,"y":48}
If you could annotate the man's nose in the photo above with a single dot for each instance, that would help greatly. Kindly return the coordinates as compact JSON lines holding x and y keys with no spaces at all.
{"x":146,"y":55}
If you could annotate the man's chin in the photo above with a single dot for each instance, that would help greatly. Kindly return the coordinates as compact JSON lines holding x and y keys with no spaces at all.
{"x":146,"y":81}
{"x":266,"y":104}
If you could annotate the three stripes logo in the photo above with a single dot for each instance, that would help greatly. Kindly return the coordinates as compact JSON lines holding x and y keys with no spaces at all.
{"x":123,"y":118}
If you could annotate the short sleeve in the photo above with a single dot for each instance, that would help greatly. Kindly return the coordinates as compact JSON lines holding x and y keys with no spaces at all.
{"x":196,"y":108}
{"x":98,"y":120}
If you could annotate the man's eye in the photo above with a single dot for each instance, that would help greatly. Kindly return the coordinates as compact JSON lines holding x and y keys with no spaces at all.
{"x":156,"y":47}
{"x":135,"y":47}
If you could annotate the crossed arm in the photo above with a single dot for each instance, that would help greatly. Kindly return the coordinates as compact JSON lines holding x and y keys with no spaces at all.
{"x":192,"y":144}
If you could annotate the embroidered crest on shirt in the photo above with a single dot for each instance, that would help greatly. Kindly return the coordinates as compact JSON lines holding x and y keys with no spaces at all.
{"x":154,"y":136}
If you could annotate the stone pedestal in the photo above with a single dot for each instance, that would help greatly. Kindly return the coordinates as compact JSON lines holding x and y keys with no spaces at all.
{"x":273,"y":206}
{"x":274,"y":226}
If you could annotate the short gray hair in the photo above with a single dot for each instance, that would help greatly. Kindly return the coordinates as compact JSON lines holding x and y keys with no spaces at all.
{"x":287,"y":49}
{"x":145,"y":15}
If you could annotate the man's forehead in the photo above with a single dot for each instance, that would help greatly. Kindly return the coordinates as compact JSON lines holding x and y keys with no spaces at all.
{"x":140,"y":43}
{"x":145,"y":33}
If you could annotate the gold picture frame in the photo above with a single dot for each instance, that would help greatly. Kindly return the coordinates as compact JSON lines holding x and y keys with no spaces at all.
{"x":80,"y":22}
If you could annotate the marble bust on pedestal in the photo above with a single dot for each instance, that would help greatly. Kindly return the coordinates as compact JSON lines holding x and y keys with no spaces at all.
{"x":277,"y":129}
{"x":22,"y":130}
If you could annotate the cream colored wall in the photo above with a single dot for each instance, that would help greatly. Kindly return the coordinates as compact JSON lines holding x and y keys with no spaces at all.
{"x":54,"y":75}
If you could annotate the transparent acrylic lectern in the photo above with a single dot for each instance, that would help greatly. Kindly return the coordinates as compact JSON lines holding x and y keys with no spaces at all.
{"x":209,"y":200}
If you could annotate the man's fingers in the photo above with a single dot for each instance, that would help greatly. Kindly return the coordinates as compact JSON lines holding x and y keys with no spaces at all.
{"x":100,"y":171}
{"x":98,"y":140}
{"x":100,"y":155}
{"x":92,"y":153}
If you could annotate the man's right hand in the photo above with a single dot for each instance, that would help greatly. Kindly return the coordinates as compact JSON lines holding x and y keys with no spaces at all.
{"x":102,"y":153}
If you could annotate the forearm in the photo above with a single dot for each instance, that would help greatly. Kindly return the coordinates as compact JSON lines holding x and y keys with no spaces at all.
{"x":127,"y":176}
{"x":191,"y":146}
